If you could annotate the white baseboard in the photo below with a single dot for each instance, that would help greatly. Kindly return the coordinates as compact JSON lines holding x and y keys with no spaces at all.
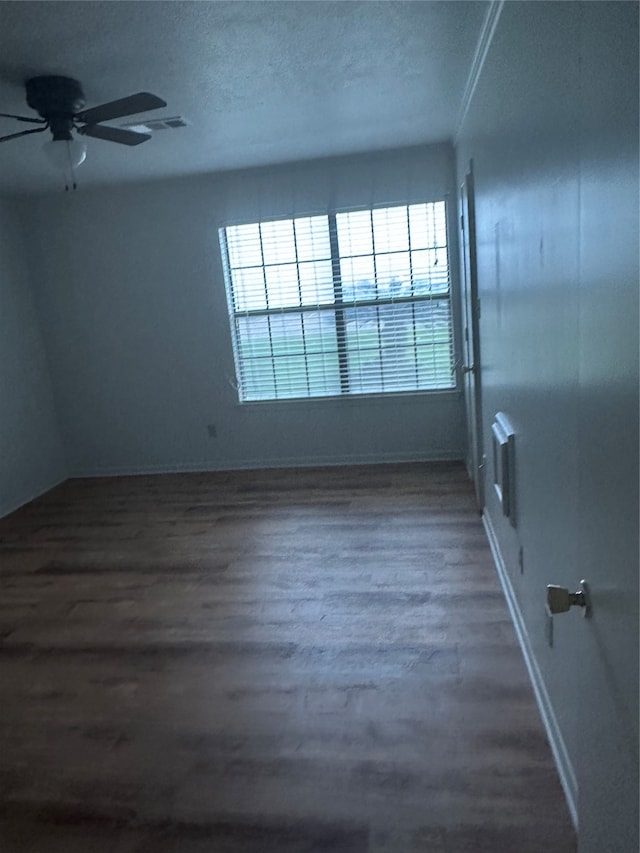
{"x":258,"y":463}
{"x":558,"y":747}
{"x":7,"y":507}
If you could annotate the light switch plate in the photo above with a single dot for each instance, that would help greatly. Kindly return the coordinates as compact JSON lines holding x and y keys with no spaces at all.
{"x":504,"y":465}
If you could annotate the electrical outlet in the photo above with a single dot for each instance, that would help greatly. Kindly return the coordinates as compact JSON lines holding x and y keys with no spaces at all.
{"x":211,"y":429}
{"x":548,"y":626}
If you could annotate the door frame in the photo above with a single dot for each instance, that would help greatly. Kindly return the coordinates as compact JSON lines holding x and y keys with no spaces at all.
{"x":471,"y":368}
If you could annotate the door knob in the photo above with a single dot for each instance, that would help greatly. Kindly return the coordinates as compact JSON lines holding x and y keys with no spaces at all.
{"x":559,"y":599}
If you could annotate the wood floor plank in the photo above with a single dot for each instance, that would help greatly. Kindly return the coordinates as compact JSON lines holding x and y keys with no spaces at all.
{"x":288,"y":660}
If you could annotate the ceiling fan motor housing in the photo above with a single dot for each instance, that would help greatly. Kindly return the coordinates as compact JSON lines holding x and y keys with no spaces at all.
{"x":56,"y":99}
{"x":59,"y":101}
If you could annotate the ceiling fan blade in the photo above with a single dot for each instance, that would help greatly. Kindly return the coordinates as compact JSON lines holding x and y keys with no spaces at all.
{"x":114,"y":134}
{"x":139,"y":103}
{"x":22,"y":133}
{"x":24,"y":118}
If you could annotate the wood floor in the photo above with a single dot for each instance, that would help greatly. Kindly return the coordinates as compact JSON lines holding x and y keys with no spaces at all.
{"x":270,"y":662}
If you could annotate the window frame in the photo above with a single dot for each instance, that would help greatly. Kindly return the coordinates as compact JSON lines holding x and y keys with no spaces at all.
{"x":339,"y":306}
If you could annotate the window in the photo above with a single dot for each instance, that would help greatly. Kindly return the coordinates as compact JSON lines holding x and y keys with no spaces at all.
{"x":345,"y":303}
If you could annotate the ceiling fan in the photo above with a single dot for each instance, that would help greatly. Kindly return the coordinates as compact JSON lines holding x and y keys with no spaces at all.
{"x":59,"y":101}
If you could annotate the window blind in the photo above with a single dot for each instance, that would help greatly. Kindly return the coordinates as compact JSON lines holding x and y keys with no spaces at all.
{"x":347,"y":303}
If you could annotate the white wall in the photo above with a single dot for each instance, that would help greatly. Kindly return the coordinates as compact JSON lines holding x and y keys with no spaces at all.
{"x":130,"y":283}
{"x":553,"y":133}
{"x":30,"y":450}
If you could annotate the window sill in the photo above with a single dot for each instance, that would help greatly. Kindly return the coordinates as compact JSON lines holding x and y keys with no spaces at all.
{"x":399,"y":397}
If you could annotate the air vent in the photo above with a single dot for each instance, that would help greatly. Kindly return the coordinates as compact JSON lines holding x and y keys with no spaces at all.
{"x":156,"y":124}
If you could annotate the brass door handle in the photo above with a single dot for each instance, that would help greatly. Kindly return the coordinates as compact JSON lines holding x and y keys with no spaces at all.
{"x":559,"y":599}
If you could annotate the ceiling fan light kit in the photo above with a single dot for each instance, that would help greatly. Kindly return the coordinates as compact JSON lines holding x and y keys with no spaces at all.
{"x":59,"y":101}
{"x":65,"y":154}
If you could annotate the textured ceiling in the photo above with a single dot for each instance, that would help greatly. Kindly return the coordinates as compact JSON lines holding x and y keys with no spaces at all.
{"x":259,"y":82}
